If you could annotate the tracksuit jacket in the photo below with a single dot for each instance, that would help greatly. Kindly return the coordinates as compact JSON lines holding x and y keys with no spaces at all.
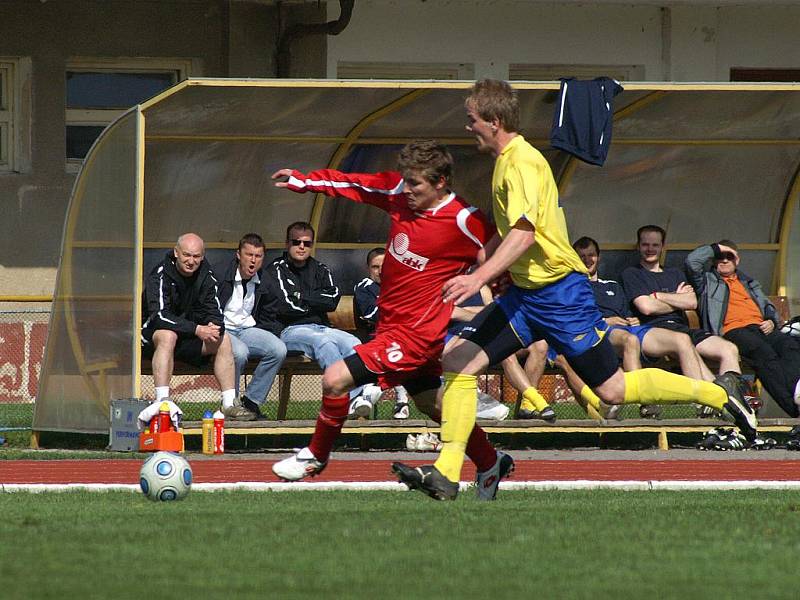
{"x":228,"y":280}
{"x":712,"y":291}
{"x":296,"y":295}
{"x":172,"y":301}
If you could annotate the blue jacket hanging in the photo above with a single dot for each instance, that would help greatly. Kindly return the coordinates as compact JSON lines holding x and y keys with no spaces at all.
{"x":583,"y":117}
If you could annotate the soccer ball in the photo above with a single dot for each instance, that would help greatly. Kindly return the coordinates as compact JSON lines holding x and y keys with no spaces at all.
{"x":165,"y":476}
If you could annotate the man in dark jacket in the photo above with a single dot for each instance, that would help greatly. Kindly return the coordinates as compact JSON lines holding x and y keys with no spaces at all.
{"x":733,"y":305}
{"x":301,"y":293}
{"x":182,"y":318}
{"x":241,"y":291}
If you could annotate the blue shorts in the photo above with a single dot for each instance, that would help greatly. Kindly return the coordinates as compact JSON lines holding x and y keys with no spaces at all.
{"x":638,"y":330}
{"x":563,"y":313}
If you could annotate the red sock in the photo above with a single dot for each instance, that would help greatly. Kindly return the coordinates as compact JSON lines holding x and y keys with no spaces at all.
{"x":480,"y":450}
{"x":331,"y":417}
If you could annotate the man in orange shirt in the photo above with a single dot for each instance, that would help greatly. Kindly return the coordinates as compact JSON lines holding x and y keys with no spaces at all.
{"x":734,"y":305}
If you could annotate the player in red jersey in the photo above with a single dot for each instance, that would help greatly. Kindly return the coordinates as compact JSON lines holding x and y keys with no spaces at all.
{"x":434,"y":235}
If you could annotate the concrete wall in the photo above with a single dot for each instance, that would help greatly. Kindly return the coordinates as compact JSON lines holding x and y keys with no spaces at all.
{"x":238,"y":38}
{"x":682,"y":42}
{"x":223,"y":38}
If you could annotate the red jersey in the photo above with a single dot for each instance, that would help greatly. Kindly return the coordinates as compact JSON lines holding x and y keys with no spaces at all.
{"x":424,"y":250}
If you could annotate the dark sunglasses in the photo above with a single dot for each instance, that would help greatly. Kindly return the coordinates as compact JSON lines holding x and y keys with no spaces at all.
{"x":305,"y":243}
{"x":728,"y":256}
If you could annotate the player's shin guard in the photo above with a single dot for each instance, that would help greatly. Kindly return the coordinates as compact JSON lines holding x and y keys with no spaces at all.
{"x":479,"y":449}
{"x":458,"y":420}
{"x":592,"y":403}
{"x":654,"y":386}
{"x":532,"y":399}
{"x":330,"y":420}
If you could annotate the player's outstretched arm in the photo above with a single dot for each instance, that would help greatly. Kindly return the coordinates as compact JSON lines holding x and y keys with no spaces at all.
{"x":376,"y":189}
{"x":283,"y":175}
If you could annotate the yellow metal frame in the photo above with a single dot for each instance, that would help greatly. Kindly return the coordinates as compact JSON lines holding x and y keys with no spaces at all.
{"x":787,"y":218}
{"x":138,"y":283}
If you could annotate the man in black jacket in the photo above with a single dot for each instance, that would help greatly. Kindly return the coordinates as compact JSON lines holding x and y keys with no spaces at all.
{"x":301,"y":293}
{"x":182,"y":318}
{"x":241,"y":291}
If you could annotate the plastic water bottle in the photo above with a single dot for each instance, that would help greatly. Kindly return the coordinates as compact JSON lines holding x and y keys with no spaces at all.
{"x":219,"y":433}
{"x":208,"y":432}
{"x":164,"y":421}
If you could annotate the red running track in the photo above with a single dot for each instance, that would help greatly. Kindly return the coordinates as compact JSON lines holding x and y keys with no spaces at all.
{"x":252,"y":470}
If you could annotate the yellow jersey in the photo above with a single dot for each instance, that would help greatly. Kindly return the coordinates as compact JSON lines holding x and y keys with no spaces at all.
{"x":523,"y":187}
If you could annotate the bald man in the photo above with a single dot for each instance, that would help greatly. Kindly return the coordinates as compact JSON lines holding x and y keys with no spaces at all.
{"x":182,"y":319}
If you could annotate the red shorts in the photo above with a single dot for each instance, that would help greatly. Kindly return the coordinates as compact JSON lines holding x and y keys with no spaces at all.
{"x":398,"y":358}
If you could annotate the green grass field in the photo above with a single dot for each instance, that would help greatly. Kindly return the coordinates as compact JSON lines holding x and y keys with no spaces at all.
{"x":598,"y":544}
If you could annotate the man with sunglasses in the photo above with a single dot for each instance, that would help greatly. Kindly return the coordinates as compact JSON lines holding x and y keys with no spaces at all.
{"x":301,"y":291}
{"x":734,"y":305}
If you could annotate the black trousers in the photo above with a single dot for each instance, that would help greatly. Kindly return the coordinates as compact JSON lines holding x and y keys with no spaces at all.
{"x":775,"y":359}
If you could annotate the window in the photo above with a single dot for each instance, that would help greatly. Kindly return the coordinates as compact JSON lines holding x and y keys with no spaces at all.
{"x":6,"y":109}
{"x":523,"y":72}
{"x":388,"y":70}
{"x":15,"y":74}
{"x":99,"y":91}
{"x":768,"y":75}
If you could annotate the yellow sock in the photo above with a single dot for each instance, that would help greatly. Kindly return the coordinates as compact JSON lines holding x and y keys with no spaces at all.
{"x":533,"y":400}
{"x":590,"y":398}
{"x":458,"y":419}
{"x":655,"y":386}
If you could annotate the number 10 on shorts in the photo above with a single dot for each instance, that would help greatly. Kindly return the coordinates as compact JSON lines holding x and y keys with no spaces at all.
{"x":393,"y":352}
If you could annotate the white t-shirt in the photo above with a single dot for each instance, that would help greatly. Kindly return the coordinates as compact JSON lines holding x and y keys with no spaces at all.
{"x":239,"y":309}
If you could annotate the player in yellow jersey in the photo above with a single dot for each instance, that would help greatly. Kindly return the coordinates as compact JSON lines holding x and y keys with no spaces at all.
{"x":550,"y":298}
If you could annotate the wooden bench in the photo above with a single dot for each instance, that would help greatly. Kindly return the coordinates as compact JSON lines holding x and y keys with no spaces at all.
{"x":343,"y":318}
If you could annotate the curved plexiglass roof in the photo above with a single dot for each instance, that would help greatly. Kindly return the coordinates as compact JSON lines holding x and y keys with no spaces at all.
{"x":704,"y":161}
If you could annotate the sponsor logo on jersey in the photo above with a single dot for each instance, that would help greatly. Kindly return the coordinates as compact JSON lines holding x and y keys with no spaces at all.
{"x":399,"y":249}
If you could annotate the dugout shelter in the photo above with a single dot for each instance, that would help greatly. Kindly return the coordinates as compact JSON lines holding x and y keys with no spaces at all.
{"x":704,"y":161}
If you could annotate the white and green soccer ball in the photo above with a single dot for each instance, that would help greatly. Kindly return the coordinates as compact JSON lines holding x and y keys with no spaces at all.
{"x":165,"y":476}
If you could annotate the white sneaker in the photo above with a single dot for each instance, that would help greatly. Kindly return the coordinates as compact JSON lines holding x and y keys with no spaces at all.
{"x":359,"y":409}
{"x":299,"y":465}
{"x":400,"y":410}
{"x":371,"y":393}
{"x":489,"y":408}
{"x":486,"y":482}
{"x":427,"y":442}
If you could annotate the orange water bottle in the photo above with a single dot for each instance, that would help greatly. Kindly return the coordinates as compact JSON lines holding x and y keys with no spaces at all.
{"x":208,"y":432}
{"x":219,"y":433}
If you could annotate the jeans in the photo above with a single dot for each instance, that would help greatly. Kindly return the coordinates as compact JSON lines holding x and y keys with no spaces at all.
{"x":324,"y":344}
{"x":252,"y":342}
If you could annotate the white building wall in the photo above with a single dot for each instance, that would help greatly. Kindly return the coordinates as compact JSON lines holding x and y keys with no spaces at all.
{"x":698,"y":42}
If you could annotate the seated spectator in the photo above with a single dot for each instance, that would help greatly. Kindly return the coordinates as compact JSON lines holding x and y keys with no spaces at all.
{"x":241,"y":291}
{"x":525,"y":379}
{"x":301,"y":291}
{"x":661,"y":295}
{"x":634,"y":341}
{"x":488,"y":407}
{"x":734,"y":305}
{"x":365,"y":303}
{"x":182,"y":319}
